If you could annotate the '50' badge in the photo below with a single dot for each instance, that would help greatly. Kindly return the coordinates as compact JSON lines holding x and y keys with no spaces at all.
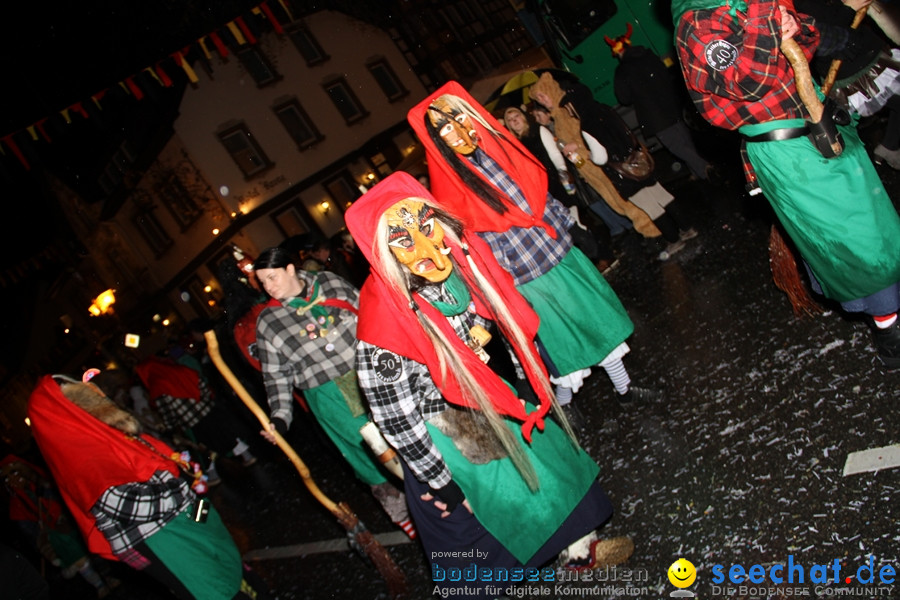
{"x":387,"y":365}
{"x":720,"y":54}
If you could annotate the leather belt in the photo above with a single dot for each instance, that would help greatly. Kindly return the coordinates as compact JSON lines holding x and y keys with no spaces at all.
{"x":778,"y":135}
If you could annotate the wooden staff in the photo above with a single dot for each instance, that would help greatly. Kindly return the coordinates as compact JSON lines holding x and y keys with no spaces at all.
{"x":783,"y":264}
{"x":362,"y":537}
{"x":836,"y":63}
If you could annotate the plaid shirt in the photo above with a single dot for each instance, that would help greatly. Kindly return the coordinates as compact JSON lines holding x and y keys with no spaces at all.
{"x":525,"y":252}
{"x":733,"y":68}
{"x":401,"y":405}
{"x":295,"y":350}
{"x":130,"y":513}
{"x":184,"y":412}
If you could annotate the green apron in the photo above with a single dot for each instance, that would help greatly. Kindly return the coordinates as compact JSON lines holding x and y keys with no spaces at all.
{"x":524,"y":520}
{"x":582,"y":319}
{"x":342,"y":425}
{"x":201,"y":555}
{"x":836,"y":211}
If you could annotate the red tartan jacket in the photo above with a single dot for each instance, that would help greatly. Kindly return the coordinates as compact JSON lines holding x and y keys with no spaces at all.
{"x":732,"y":65}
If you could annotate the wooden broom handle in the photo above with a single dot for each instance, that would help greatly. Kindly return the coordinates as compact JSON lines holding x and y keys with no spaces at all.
{"x":836,"y":63}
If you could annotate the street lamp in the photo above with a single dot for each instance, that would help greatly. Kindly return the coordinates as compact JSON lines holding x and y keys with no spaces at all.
{"x":102,"y":304}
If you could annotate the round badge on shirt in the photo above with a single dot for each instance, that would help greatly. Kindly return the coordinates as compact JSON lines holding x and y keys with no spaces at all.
{"x":720,"y":54}
{"x":387,"y":365}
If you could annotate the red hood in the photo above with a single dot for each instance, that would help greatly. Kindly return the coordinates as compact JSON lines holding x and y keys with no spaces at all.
{"x":162,"y":376}
{"x":87,"y":456}
{"x":387,"y":321}
{"x":510,"y":154}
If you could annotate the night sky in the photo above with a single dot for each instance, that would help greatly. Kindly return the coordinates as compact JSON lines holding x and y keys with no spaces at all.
{"x":54,"y":56}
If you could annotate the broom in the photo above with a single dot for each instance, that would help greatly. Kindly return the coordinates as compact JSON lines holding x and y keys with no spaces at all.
{"x":782,"y":262}
{"x":360,"y":537}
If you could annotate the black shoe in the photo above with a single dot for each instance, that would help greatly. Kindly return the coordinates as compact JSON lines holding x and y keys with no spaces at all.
{"x":887,"y":341}
{"x":574,"y":416}
{"x":639,"y":394}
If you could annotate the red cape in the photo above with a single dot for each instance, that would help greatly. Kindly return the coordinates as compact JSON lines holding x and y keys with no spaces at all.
{"x":528,"y":173}
{"x":165,"y":377}
{"x":387,"y":321}
{"x":87,"y":456}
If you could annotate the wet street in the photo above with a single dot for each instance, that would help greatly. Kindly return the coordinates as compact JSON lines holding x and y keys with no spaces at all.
{"x":742,"y":463}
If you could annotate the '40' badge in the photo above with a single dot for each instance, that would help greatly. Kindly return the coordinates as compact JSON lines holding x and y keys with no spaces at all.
{"x":720,"y":54}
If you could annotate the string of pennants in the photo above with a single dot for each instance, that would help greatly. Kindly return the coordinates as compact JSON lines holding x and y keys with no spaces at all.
{"x":239,"y":32}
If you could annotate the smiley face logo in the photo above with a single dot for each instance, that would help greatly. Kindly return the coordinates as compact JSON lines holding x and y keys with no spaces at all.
{"x":682,"y":573}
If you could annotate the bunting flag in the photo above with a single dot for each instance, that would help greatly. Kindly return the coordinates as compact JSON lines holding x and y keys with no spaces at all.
{"x":245,"y":30}
{"x":79,"y":108}
{"x":219,"y":44}
{"x":97,"y":98}
{"x":273,"y":20}
{"x":8,"y":140}
{"x":40,"y":127}
{"x":287,"y":11}
{"x":238,"y":32}
{"x":206,"y":52}
{"x":185,"y":65}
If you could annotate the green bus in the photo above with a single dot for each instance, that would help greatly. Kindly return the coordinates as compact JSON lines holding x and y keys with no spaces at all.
{"x":575,"y":32}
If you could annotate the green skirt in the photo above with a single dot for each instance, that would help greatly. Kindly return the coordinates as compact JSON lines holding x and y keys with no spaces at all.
{"x":201,"y":555}
{"x":522,"y":520}
{"x":330,"y":408}
{"x":582,"y":319}
{"x":836,"y":211}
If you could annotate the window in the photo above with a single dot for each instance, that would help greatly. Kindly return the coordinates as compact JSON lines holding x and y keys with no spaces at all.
{"x":152,"y":232}
{"x":345,"y":100}
{"x":575,"y":20}
{"x":294,"y":219}
{"x":118,"y":164}
{"x":387,"y":80}
{"x":204,"y":303}
{"x":307,"y":45}
{"x":179,"y":202}
{"x":259,"y":67}
{"x":242,"y":147}
{"x":343,"y":190}
{"x":297,"y":123}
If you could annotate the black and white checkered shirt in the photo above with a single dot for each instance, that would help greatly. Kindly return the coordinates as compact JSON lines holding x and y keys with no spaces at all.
{"x":130,"y":513}
{"x":402,"y":396}
{"x":295,"y":350}
{"x":184,"y":412}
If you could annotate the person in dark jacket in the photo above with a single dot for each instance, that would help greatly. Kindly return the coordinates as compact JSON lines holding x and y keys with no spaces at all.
{"x":642,"y":80}
{"x":868,"y":79}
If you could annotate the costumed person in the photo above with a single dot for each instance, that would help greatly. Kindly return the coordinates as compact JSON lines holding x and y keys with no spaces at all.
{"x":489,"y":180}
{"x":184,"y":401}
{"x":594,"y":134}
{"x":132,"y":496}
{"x":868,"y":75}
{"x":566,"y":186}
{"x":656,"y":92}
{"x":616,"y":223}
{"x":835,"y":210}
{"x":489,"y":478}
{"x":306,"y":338}
{"x":38,"y":510}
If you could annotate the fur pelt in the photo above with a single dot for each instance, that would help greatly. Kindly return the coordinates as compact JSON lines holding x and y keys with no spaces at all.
{"x":89,"y":398}
{"x":568,"y":128}
{"x":471,"y":435}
